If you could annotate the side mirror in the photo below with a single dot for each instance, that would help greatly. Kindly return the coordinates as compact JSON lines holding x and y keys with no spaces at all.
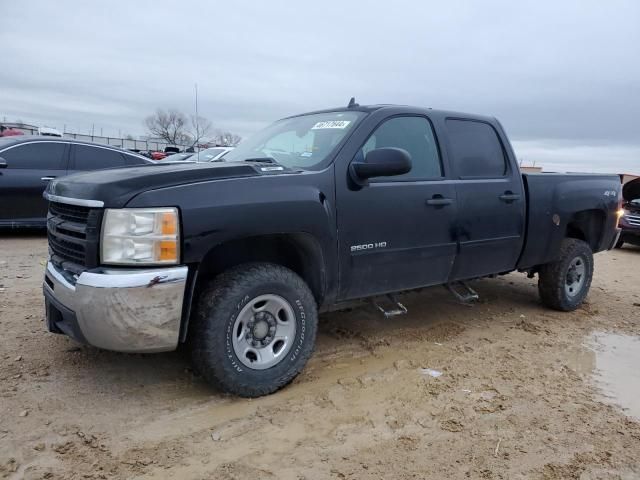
{"x":3,"y":163}
{"x":381,"y":162}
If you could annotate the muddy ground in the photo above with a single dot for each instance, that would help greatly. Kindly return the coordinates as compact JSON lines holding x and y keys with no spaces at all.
{"x":518,"y":396}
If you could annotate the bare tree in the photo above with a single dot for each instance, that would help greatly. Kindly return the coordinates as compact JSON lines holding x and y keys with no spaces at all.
{"x":227,"y":139}
{"x":171,"y":126}
{"x":176,"y":128}
{"x":200,"y":130}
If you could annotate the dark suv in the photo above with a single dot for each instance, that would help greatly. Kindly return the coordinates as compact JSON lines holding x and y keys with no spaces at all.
{"x":29,"y":163}
{"x":630,"y":221}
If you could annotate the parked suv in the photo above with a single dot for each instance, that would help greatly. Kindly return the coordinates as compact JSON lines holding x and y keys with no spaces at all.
{"x":238,"y":257}
{"x":630,"y":220}
{"x":29,"y":163}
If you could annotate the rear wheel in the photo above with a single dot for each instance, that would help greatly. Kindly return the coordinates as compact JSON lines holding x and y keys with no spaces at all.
{"x":564,"y":284}
{"x":254,"y":329}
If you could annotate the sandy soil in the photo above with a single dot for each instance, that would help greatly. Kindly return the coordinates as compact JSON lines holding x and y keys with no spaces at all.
{"x":516,"y":399}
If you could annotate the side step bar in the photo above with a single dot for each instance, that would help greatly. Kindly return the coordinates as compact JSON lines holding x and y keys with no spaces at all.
{"x":398,"y":308}
{"x":468,"y":294}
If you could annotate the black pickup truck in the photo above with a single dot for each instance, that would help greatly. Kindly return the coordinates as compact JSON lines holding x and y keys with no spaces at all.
{"x":237,"y":258}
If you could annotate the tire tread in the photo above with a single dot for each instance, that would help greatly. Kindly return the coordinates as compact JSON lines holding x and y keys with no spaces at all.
{"x":552,"y":276}
{"x":207,"y":325}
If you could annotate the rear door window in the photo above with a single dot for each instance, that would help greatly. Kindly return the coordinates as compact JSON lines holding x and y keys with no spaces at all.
{"x":36,"y":156}
{"x":88,"y":157}
{"x":476,"y":150}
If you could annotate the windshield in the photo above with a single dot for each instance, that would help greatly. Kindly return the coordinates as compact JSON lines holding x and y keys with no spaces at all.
{"x":303,"y":142}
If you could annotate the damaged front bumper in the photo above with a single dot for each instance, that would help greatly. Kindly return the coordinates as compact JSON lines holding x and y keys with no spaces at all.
{"x":121,"y":310}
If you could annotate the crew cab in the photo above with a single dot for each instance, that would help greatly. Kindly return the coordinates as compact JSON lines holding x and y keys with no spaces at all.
{"x":237,"y":258}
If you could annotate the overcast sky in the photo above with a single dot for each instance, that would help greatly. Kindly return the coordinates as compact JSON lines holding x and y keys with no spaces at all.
{"x":563,"y":77}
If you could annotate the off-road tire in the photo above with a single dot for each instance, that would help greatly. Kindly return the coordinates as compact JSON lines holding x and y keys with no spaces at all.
{"x":218,"y":306}
{"x":553,"y":276}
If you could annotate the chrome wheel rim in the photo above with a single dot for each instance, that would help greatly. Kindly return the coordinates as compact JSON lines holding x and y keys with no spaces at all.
{"x":264,"y":331}
{"x":575,"y":278}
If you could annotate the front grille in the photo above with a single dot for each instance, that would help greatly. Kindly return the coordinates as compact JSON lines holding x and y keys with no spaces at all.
{"x":73,"y":236}
{"x":633,"y":220}
{"x":72,"y":213}
{"x":66,"y":250}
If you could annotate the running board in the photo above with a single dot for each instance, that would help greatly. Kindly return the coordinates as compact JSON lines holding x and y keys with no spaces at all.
{"x":468,"y":294}
{"x":399,"y":309}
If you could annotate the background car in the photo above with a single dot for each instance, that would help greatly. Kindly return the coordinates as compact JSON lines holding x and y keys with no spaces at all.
{"x":630,"y":221}
{"x":157,"y":155}
{"x":29,"y":163}
{"x":49,"y":132}
{"x":9,"y":132}
{"x":212,"y":154}
{"x":179,"y":156}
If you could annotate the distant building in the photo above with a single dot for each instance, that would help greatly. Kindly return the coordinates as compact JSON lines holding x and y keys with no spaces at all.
{"x":531,"y":169}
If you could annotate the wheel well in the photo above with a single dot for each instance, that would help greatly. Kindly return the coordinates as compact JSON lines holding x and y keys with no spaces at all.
{"x":587,"y":225}
{"x":299,"y":252}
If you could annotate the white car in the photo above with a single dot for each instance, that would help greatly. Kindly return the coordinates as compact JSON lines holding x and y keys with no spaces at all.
{"x":213,"y":154}
{"x":49,"y":132}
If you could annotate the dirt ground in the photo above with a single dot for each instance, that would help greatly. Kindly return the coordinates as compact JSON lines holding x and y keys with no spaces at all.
{"x":517,"y":397}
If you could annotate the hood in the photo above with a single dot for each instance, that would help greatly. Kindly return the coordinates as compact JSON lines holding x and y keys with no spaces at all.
{"x":631,"y":190}
{"x":115,"y":187}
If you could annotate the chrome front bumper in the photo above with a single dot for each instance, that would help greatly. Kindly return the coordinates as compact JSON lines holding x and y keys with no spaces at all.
{"x":121,"y":310}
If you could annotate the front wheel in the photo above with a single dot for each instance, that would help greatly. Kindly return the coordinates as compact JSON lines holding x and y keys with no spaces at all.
{"x":564,"y":284}
{"x":254,"y":329}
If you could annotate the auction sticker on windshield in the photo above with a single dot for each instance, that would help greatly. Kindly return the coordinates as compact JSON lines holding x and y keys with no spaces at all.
{"x":341,"y":124}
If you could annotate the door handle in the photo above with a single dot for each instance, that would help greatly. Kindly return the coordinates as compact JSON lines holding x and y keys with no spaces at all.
{"x":47,"y":179}
{"x":509,"y":197}
{"x":439,"y":201}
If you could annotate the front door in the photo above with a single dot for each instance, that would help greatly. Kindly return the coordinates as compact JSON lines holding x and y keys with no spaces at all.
{"x":30,"y":167}
{"x":397,"y":233}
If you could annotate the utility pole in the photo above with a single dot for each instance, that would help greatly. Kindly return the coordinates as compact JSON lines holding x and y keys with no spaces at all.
{"x":197,"y":124}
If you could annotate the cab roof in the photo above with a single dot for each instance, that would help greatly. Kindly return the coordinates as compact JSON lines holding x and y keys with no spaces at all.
{"x":392,"y":109}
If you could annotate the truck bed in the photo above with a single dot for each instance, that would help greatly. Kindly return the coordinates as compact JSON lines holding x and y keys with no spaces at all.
{"x":560,"y":202}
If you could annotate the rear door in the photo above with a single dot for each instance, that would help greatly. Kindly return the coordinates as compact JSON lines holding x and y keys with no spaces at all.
{"x":491,"y":204}
{"x":30,"y":167}
{"x":397,"y":233}
{"x":93,"y":157}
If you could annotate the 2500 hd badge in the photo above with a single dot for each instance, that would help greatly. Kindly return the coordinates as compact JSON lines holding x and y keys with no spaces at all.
{"x":368,"y":246}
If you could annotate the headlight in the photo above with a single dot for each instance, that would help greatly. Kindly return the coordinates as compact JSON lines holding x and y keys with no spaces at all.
{"x":140,"y":236}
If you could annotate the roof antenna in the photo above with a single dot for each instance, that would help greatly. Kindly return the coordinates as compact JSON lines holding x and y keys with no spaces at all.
{"x":352,"y":103}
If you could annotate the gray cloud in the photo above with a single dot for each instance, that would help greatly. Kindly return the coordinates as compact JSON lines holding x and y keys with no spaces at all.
{"x":563,"y":77}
